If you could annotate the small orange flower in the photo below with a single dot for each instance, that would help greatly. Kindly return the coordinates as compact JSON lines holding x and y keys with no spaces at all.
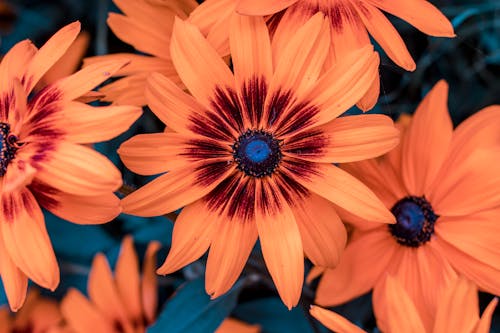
{"x":457,"y":311}
{"x":147,"y":26}
{"x":125,"y":302}
{"x":42,"y":162}
{"x":443,"y":187}
{"x":39,"y":314}
{"x":250,"y":155}
{"x":350,"y":20}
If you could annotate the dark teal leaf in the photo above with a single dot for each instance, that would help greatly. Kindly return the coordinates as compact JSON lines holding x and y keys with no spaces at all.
{"x":191,"y":310}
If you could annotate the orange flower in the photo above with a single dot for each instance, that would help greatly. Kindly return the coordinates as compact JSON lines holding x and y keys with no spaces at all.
{"x":230,"y":325}
{"x":39,"y":314}
{"x":125,"y":302}
{"x":350,"y":20}
{"x":457,"y":311}
{"x":443,"y":187}
{"x":250,"y":155}
{"x":42,"y":162}
{"x":147,"y":26}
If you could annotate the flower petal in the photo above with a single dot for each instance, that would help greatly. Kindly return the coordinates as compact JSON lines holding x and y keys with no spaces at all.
{"x":334,"y":321}
{"x":483,"y":326}
{"x":262,"y":7}
{"x":233,"y":240}
{"x":26,"y":239}
{"x":280,"y":242}
{"x":199,"y":65}
{"x":177,"y":188}
{"x":420,"y":13}
{"x":149,"y":282}
{"x":344,"y":190}
{"x":82,"y":314}
{"x":427,"y":140}
{"x":323,"y":235}
{"x":128,"y":280}
{"x":79,"y":170}
{"x":87,"y":124}
{"x":15,"y":282}
{"x":351,"y":278}
{"x":386,"y":35}
{"x":49,"y":54}
{"x":193,"y":233}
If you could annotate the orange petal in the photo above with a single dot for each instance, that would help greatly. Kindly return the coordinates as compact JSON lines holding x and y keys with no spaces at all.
{"x":18,"y":108}
{"x":344,"y":84}
{"x":128,"y":90}
{"x":76,"y":208}
{"x":176,"y":189}
{"x":250,"y":48}
{"x":483,"y":326}
{"x":368,"y":101}
{"x":153,"y":41}
{"x":84,"y":80}
{"x":15,"y":282}
{"x":230,"y":325}
{"x":386,"y":35}
{"x":458,"y":308}
{"x":199,"y":65}
{"x":149,"y":282}
{"x":26,"y":239}
{"x":302,"y":59}
{"x":20,"y":171}
{"x":50,"y":53}
{"x":351,"y":278}
{"x":344,"y":190}
{"x":82,"y":315}
{"x":233,"y":240}
{"x":280,"y":242}
{"x":262,"y":7}
{"x":481,"y":130}
{"x":103,"y":291}
{"x":323,"y":234}
{"x":420,"y":13}
{"x":485,"y":276}
{"x":471,"y":187}
{"x":172,"y":105}
{"x":128,"y":280}
{"x":136,"y":63}
{"x":87,"y":124}
{"x":347,"y":139}
{"x":13,"y":64}
{"x":79,"y":170}
{"x":191,"y":237}
{"x":403,"y":316}
{"x":334,"y":321}
{"x":69,"y":62}
{"x":427,"y":140}
{"x":473,"y":234}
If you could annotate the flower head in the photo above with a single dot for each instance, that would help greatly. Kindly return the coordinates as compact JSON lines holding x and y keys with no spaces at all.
{"x":125,"y":302}
{"x":350,"y":23}
{"x":42,"y":162}
{"x":457,"y":311}
{"x":250,"y":155}
{"x":147,"y":26}
{"x":442,"y":186}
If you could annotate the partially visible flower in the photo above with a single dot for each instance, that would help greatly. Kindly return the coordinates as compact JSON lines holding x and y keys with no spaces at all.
{"x":350,"y":20}
{"x":126,"y":302}
{"x":443,"y":186}
{"x":230,"y":325}
{"x":250,"y":155}
{"x":39,"y":315}
{"x":147,"y":26}
{"x":457,"y":311}
{"x":42,"y":161}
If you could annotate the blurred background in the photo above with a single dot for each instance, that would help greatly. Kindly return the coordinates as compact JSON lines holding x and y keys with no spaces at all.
{"x":470,"y":63}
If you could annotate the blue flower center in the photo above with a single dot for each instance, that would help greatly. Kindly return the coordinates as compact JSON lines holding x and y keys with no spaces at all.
{"x":415,"y":221}
{"x":257,"y":150}
{"x":8,"y":147}
{"x":257,"y":153}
